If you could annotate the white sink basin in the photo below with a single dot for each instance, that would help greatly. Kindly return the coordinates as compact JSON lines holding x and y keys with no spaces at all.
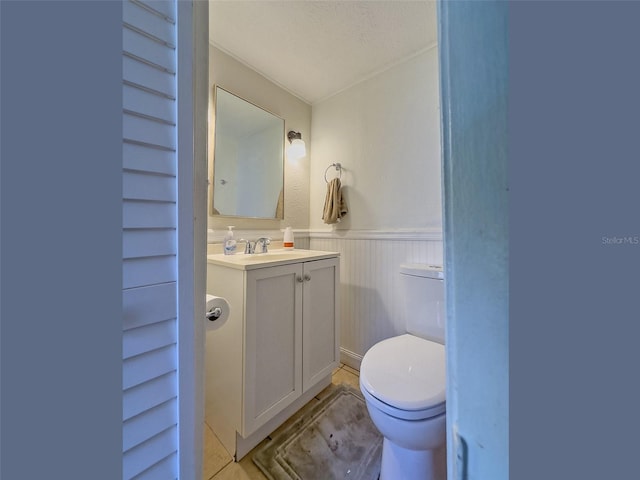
{"x":275,"y":257}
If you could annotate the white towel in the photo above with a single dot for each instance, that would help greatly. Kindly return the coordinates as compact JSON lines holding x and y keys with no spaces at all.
{"x":334,"y":205}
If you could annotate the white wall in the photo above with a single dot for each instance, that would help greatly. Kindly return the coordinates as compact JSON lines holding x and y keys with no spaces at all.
{"x":385,"y":132}
{"x":250,"y":85}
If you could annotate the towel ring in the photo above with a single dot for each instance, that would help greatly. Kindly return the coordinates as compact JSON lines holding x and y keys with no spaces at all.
{"x":338,"y":169}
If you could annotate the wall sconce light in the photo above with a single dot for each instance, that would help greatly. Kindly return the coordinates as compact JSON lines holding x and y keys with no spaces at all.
{"x":296,"y":148}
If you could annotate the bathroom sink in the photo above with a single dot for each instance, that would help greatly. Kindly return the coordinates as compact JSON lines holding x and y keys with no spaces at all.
{"x":275,"y":257}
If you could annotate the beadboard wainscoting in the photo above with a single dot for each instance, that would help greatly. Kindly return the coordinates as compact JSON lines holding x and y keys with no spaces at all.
{"x":370,"y":305}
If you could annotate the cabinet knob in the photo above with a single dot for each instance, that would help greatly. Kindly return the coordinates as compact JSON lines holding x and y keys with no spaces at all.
{"x":307,"y":277}
{"x":299,"y":279}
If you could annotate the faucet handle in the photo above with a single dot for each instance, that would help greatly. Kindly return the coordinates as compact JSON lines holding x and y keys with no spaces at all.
{"x":247,"y":246}
{"x":264,"y":241}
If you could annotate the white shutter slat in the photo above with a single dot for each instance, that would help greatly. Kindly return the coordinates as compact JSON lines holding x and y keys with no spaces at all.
{"x":138,"y":459}
{"x":144,"y":186}
{"x":165,"y":469}
{"x":141,"y":46}
{"x":143,"y":74}
{"x":150,"y":337}
{"x":147,"y":103}
{"x":153,"y":24}
{"x":148,"y":395}
{"x":148,"y":243}
{"x":148,"y":424}
{"x":165,"y":7}
{"x":136,"y":214}
{"x":138,"y":272}
{"x":148,"y":131}
{"x":145,"y":305}
{"x":137,"y":157}
{"x":141,"y":368}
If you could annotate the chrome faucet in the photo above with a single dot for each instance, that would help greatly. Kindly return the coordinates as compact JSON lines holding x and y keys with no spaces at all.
{"x":250,"y":248}
{"x":264,"y":241}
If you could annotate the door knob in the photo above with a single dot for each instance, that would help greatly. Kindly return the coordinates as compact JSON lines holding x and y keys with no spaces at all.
{"x":307,"y":277}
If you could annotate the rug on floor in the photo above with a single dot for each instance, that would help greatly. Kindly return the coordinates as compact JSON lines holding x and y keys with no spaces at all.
{"x":335,"y":439}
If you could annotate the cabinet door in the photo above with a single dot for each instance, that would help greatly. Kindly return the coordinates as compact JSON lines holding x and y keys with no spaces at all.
{"x":320,"y":320}
{"x":273,"y":348}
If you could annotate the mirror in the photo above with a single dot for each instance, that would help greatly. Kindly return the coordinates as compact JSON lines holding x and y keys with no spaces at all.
{"x":248,"y":159}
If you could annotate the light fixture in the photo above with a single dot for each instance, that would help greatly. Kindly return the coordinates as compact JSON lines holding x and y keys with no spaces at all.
{"x":296,"y":148}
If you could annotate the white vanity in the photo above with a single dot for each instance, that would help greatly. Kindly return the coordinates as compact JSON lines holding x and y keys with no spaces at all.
{"x":278,"y":347}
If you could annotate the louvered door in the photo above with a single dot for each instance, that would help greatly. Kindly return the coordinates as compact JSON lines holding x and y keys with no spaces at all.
{"x":150,"y":384}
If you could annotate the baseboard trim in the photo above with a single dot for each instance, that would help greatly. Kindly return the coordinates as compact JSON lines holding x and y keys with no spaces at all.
{"x":350,"y":359}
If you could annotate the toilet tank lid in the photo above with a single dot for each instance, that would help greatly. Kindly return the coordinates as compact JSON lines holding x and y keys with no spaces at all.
{"x":422,"y":270}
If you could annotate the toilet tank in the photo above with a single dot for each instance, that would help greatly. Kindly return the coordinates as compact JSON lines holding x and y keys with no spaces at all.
{"x":422,"y":288}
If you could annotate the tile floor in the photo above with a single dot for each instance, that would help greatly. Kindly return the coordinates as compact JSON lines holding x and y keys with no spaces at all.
{"x":218,"y":464}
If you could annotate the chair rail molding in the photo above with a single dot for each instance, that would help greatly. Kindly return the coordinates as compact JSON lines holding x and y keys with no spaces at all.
{"x":419,"y":234}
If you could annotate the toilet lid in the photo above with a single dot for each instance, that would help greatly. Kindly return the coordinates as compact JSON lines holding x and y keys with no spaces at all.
{"x":406,"y":372}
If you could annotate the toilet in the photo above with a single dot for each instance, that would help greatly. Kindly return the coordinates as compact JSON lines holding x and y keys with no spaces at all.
{"x":402,"y":380}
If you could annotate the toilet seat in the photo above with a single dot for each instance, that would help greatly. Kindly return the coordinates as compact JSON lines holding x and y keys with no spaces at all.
{"x":405,"y":377}
{"x":403,"y":414}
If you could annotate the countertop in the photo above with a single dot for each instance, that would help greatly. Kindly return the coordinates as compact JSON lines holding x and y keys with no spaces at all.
{"x":241,"y":261}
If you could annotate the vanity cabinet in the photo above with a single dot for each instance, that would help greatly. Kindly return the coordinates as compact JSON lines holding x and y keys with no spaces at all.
{"x":277,"y":349}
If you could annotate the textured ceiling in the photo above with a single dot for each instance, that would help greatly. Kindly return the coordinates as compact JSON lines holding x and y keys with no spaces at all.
{"x":315,"y":49}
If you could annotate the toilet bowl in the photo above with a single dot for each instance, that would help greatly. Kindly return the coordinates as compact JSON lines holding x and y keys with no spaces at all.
{"x":403,"y":382}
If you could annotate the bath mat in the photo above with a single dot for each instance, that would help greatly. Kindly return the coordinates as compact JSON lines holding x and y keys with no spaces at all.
{"x":333,"y":440}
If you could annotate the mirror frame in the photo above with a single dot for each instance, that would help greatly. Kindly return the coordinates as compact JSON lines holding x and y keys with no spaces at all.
{"x":212,"y":149}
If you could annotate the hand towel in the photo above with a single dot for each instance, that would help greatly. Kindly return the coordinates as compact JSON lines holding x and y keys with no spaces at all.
{"x":334,"y":205}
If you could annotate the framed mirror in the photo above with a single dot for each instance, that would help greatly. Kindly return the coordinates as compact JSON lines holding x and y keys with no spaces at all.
{"x":248,"y":159}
